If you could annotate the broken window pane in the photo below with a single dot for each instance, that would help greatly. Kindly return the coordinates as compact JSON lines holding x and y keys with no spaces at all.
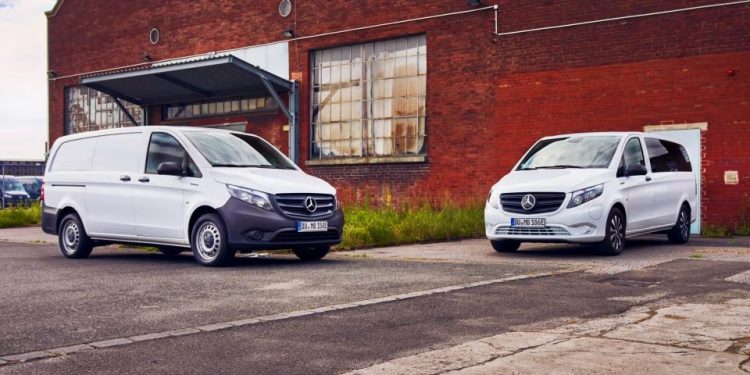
{"x":87,"y":109}
{"x":369,"y":99}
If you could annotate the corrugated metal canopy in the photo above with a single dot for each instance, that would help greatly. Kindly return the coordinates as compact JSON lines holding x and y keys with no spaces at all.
{"x":187,"y":81}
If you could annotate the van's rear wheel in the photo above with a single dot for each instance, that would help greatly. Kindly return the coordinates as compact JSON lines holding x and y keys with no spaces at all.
{"x":614,"y":239}
{"x":505,"y":246}
{"x":209,"y":241}
{"x":72,"y":237}
{"x":311,"y":252}
{"x":680,"y":232}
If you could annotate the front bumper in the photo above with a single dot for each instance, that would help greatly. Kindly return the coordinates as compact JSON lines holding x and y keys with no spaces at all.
{"x":252,"y":228}
{"x":583,"y":224}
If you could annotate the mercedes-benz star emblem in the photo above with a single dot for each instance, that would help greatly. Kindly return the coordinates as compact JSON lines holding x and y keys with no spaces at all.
{"x":528,"y":202}
{"x":311,"y":205}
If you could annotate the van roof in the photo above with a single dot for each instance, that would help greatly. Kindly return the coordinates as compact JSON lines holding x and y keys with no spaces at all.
{"x":97,"y":133}
{"x":617,"y":134}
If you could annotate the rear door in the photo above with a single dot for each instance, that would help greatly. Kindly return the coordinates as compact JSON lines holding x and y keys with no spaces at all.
{"x":109,"y":190}
{"x":159,"y":199}
{"x":690,"y":139}
{"x":672,"y":177}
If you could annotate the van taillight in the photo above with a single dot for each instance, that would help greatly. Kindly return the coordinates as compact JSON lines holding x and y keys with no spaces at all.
{"x":41,"y":193}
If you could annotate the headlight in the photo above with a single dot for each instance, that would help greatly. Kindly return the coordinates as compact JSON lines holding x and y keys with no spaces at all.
{"x":582,"y":196}
{"x":493,"y":200}
{"x":254,"y":197}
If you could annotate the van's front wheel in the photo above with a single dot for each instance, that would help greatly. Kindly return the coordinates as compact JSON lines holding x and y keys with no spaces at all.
{"x":209,"y":241}
{"x":614,"y":239}
{"x":74,"y":242}
{"x":311,"y":252}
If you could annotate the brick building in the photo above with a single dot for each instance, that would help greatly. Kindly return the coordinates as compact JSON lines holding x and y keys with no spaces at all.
{"x":429,"y":100}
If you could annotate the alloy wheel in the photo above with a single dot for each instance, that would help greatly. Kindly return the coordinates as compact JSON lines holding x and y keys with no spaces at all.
{"x":684,"y":226}
{"x":616,"y":235}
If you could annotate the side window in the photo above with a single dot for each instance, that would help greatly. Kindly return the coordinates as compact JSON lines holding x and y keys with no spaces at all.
{"x":633,"y":154}
{"x":683,"y":159}
{"x":666,"y":156}
{"x":658,"y":155}
{"x":165,"y":148}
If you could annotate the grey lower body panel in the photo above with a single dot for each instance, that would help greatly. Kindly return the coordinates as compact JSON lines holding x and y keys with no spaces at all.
{"x":49,"y":219}
{"x":251,"y":228}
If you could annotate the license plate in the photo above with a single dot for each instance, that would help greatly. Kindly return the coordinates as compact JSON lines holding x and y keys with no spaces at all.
{"x":528,"y":222}
{"x":312,"y":226}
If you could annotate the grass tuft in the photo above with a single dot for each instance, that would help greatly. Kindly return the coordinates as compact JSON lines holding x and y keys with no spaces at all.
{"x":20,"y":217}
{"x":367,"y":227}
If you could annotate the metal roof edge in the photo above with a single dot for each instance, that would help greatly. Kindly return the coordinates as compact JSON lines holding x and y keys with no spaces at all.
{"x":52,"y":12}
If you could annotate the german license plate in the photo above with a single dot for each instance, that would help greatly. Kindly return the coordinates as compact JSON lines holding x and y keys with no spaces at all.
{"x":536,"y":222}
{"x":312,"y":226}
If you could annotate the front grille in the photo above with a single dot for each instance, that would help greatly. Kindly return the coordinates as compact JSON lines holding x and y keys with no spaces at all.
{"x":520,"y":231}
{"x":292,"y":236}
{"x":293,"y":205}
{"x":545,"y":202}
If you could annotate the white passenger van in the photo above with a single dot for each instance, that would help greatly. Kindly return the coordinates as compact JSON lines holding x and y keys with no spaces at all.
{"x":211,"y":191}
{"x":594,"y":188}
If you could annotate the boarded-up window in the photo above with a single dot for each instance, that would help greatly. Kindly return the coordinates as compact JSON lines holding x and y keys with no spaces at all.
{"x":87,"y":109}
{"x":369,"y":99}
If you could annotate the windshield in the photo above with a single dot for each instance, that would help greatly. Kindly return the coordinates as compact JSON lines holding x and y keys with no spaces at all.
{"x":12,"y":185}
{"x":228,"y":149}
{"x":572,"y":152}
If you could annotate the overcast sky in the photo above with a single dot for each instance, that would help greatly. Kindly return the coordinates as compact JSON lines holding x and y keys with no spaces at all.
{"x":23,"y":86}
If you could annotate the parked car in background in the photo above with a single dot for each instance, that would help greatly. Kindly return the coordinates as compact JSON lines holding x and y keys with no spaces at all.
{"x":211,"y":191}
{"x":32,"y":184}
{"x":594,"y":188}
{"x":13,"y":192}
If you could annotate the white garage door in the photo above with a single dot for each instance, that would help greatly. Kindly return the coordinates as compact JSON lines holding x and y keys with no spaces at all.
{"x":691,"y":139}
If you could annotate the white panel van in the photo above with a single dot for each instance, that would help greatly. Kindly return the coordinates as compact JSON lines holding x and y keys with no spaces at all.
{"x":211,"y":191}
{"x":594,"y":188}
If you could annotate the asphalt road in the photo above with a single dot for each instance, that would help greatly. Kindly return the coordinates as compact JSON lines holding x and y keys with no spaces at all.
{"x":49,"y":301}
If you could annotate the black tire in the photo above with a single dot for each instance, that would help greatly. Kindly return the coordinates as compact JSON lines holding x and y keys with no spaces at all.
{"x":72,"y":237}
{"x":680,"y":232}
{"x":171,"y":251}
{"x":614,"y":239}
{"x":506,"y":246}
{"x":209,"y":241}
{"x":311,"y":252}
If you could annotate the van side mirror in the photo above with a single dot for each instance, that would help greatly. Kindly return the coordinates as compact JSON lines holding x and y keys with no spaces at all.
{"x":636,"y":170}
{"x":170,"y":168}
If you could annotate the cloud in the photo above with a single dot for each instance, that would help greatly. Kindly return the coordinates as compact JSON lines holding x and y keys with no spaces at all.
{"x":23,"y":93}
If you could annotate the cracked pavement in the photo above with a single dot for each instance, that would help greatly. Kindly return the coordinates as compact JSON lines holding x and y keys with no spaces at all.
{"x":682,"y":338}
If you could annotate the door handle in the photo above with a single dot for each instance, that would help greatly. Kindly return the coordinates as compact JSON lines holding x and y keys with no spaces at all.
{"x":648,"y":178}
{"x":124,"y":178}
{"x":144,"y":179}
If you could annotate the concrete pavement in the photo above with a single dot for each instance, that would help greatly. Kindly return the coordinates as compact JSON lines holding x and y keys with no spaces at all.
{"x":682,"y":338}
{"x":385,"y":310}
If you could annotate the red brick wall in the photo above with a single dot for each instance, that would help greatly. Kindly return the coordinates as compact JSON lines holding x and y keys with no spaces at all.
{"x":630,"y":96}
{"x":489,"y":97}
